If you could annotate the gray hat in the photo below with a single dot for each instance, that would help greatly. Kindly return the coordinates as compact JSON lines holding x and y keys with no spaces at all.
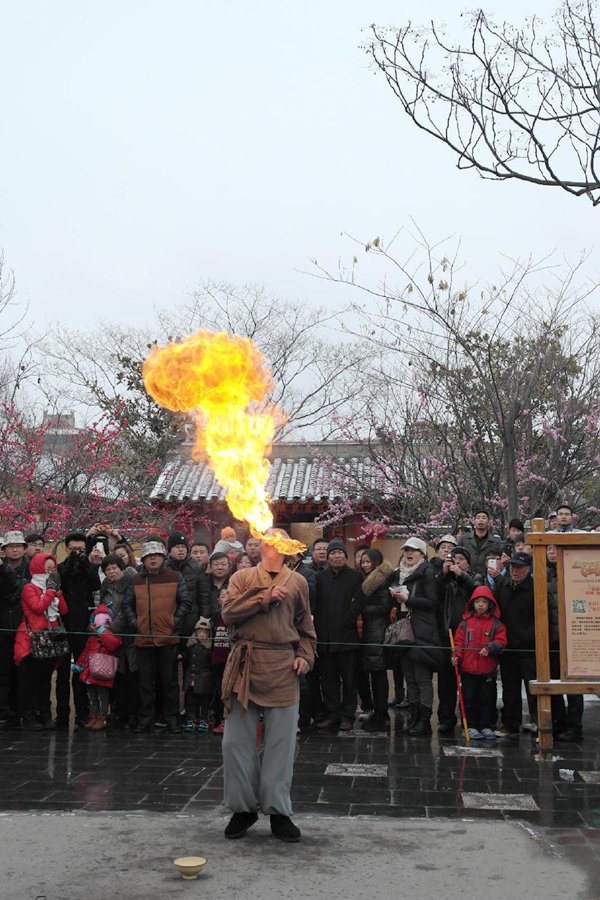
{"x":203,"y":622}
{"x":151,"y":547}
{"x":415,"y":543}
{"x":13,"y":537}
{"x":447,"y":539}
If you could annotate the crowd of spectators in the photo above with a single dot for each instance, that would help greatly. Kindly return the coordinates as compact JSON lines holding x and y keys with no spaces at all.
{"x":139,"y":643}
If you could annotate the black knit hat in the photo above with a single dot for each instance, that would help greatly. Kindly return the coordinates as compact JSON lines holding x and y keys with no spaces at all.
{"x":337,"y":544}
{"x":458,"y":551}
{"x":176,"y":538}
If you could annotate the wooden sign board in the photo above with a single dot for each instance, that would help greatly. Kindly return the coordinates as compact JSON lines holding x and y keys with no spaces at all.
{"x":579,"y":612}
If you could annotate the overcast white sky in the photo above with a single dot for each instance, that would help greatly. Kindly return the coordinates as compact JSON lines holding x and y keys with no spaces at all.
{"x":147,"y":146}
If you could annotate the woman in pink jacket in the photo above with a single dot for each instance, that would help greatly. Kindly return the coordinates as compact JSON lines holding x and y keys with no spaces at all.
{"x":42,"y":603}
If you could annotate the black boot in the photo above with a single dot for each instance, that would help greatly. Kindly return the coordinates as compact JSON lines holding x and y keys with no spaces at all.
{"x":239,"y":824}
{"x":30,"y":723}
{"x":423,"y":724}
{"x":411,"y":720}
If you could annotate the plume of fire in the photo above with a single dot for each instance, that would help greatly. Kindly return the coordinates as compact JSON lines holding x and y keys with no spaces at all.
{"x":226,"y":382}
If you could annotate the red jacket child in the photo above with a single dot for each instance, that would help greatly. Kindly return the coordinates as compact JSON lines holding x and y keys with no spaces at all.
{"x":481,"y":636}
{"x":102,"y":641}
{"x":42,"y":603}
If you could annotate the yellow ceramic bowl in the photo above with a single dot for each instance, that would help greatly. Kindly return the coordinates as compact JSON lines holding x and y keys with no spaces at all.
{"x":189,"y":867}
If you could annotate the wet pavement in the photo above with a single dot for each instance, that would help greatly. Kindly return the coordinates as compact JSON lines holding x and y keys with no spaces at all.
{"x":345,"y":774}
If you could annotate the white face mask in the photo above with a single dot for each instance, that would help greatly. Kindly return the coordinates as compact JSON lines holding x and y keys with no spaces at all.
{"x":40,"y":581}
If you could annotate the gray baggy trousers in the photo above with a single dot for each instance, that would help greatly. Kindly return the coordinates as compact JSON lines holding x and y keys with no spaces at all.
{"x":250,"y":782}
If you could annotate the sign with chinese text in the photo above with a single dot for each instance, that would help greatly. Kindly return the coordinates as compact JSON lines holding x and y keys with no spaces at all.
{"x":581,"y":579}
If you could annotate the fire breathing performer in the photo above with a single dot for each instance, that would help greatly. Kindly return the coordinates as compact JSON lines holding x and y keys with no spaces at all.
{"x":273,"y":644}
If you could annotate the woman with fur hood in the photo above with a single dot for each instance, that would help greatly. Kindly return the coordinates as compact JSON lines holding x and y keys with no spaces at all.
{"x":415,"y":590}
{"x":375,"y":606}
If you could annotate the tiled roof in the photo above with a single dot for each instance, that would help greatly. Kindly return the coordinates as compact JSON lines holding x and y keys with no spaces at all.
{"x":300,"y":479}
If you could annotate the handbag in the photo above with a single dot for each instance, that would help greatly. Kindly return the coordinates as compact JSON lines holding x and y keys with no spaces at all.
{"x":48,"y":643}
{"x":103,"y":666}
{"x":399,"y":632}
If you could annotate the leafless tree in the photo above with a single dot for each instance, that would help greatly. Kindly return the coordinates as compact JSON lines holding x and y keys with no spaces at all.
{"x":477,"y":396}
{"x":511,"y":102}
{"x":314,"y":372}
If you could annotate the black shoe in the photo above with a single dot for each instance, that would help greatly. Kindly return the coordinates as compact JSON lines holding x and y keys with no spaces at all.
{"x":62,"y":724}
{"x":446,"y":728}
{"x":422,"y":726}
{"x":160,"y":723}
{"x":325,"y":724}
{"x":284,"y":829}
{"x":173,"y":726}
{"x":412,"y":719}
{"x":48,"y":724}
{"x":140,"y":728}
{"x":375,"y":725}
{"x":569,"y":736}
{"x":239,"y":825}
{"x":31,"y":724}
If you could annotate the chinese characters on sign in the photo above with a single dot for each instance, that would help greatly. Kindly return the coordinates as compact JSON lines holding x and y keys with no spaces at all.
{"x":581,"y":568}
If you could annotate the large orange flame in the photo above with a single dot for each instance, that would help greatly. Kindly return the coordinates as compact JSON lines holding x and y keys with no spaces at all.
{"x":225,"y":380}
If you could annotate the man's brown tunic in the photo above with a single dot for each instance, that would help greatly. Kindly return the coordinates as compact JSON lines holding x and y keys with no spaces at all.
{"x":267,"y":637}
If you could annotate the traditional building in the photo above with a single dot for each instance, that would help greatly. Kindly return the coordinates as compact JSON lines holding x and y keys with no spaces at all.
{"x":304,"y":480}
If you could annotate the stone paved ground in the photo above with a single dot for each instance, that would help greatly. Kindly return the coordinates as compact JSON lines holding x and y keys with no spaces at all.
{"x":94,"y":856}
{"x":387,"y":776}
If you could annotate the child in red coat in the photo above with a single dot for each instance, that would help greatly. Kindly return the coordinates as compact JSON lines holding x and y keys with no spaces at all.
{"x":479,"y":640}
{"x":104,"y":643}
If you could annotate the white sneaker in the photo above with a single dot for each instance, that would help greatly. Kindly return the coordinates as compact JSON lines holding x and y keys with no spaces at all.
{"x":531,"y":727}
{"x":475,"y":735}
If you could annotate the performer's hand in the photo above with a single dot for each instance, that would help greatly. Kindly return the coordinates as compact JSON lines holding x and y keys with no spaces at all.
{"x":279,"y":593}
{"x":484,"y":651}
{"x":454,"y":660}
{"x":300,"y":666}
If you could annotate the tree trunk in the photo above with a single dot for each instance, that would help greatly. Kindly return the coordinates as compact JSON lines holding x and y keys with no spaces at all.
{"x":511,"y":480}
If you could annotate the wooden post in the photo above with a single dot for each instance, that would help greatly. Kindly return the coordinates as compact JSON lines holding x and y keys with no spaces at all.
{"x":542,"y":639}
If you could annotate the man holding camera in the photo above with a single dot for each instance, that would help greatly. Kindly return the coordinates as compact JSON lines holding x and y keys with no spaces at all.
{"x":456,"y":584}
{"x":78,"y":582}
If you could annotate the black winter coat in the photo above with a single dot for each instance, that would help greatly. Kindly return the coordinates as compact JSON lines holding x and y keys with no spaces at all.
{"x":454,"y":593}
{"x":11,"y":611}
{"x":311,"y":579}
{"x":375,"y":605}
{"x":78,"y":581}
{"x":114,"y":596}
{"x":517,"y":611}
{"x":553,"y":623}
{"x":423,"y":606}
{"x":335,"y":613}
{"x":213,"y":596}
{"x":199,"y":674}
{"x":198,"y":590}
